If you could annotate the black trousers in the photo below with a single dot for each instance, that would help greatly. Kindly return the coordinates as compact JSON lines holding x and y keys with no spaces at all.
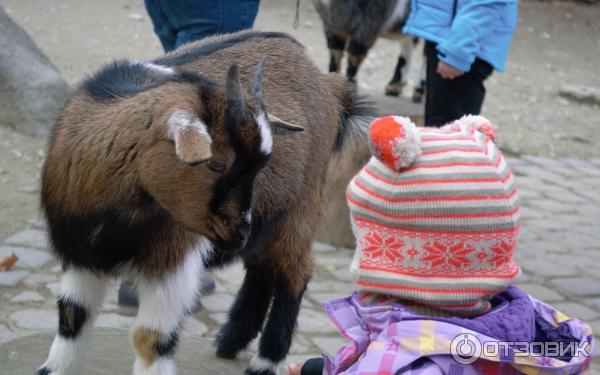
{"x":449,"y":99}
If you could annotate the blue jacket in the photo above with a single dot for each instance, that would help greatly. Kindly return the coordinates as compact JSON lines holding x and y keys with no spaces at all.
{"x":465,"y":29}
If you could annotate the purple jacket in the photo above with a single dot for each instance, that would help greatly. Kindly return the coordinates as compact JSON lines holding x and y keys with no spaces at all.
{"x":389,"y":339}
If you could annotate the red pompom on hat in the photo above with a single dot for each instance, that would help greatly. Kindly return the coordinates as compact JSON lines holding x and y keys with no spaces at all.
{"x":395,"y":141}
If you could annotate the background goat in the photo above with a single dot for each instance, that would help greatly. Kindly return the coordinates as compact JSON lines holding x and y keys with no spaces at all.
{"x":355,"y":25}
{"x":158,"y":169}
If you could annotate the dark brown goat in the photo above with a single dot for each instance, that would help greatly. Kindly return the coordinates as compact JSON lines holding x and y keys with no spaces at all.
{"x":157,"y":170}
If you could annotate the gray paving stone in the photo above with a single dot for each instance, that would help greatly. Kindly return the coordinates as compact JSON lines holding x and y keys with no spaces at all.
{"x":343,"y":288}
{"x":112,"y":320}
{"x":40,"y":279}
{"x":192,"y":326}
{"x":596,"y":303}
{"x":300,"y":345}
{"x":551,"y":206}
{"x":595,"y":324}
{"x":322,"y":297}
{"x":541,"y":161}
{"x":321,"y":247}
{"x":542,"y":293}
{"x":576,"y":310}
{"x":6,"y":334}
{"x":565,"y":197}
{"x":108,"y":307}
{"x":27,"y":296}
{"x":35,"y":319}
{"x":537,"y":267}
{"x":577,"y":286}
{"x":39,"y":224}
{"x":343,"y":274}
{"x":329,"y":345}
{"x":217,"y":302}
{"x":28,"y":258}
{"x":54,"y":288}
{"x":315,"y":322}
{"x":220,"y":317}
{"x":337,"y":260}
{"x":29,"y":238}
{"x":11,"y":278}
{"x":232,"y":275}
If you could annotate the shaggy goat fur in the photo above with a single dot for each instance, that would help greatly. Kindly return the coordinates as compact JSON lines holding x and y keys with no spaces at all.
{"x":355,"y":25}
{"x":159,"y":170}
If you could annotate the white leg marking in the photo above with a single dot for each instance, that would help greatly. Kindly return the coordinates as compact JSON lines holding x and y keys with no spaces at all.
{"x":415,"y":67}
{"x":162,"y":366}
{"x":164,"y":303}
{"x":258,"y":363}
{"x":86,"y":289}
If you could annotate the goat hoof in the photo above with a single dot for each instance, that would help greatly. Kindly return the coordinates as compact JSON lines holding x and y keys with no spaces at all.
{"x":43,"y":371}
{"x":417,"y":98}
{"x":393,"y":89}
{"x":225,"y":355}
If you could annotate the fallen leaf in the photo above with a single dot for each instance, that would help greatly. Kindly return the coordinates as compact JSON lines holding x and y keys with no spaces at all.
{"x":7,"y":261}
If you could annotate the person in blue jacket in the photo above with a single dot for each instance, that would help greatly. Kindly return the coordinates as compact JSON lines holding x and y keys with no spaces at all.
{"x":465,"y":41}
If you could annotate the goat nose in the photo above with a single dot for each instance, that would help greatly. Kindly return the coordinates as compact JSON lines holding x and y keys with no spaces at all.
{"x":244,"y":230}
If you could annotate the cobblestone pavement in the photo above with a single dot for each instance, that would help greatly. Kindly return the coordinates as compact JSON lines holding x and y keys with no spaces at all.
{"x":559,"y":253}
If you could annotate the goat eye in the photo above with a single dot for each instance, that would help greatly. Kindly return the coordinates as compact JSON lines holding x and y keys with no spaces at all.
{"x":216,"y":166}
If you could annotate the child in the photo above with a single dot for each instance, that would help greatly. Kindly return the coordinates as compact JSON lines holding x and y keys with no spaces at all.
{"x":465,"y":41}
{"x":436,"y":216}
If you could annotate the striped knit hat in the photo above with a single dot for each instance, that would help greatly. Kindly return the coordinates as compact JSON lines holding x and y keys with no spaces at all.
{"x":435,"y":214}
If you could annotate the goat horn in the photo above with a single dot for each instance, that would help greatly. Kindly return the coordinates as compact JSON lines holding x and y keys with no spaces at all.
{"x":233,"y":93}
{"x":256,"y":83}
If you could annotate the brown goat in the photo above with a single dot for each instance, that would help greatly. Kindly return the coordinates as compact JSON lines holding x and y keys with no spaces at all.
{"x":157,"y":170}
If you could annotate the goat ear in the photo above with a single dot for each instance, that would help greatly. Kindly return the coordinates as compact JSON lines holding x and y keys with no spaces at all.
{"x":192,"y":141}
{"x":283,"y":127}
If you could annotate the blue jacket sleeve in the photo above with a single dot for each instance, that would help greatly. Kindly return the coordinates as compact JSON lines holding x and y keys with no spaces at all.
{"x":472,"y":21}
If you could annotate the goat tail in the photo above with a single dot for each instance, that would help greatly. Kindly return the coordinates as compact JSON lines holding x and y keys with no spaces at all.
{"x":355,"y":115}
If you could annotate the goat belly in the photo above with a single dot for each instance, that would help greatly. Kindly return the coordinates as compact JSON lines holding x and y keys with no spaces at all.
{"x":102,"y":241}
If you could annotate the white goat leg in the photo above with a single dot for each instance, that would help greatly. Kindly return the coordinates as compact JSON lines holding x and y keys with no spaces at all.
{"x":414,"y":68}
{"x":163,"y":305}
{"x":81,"y":293}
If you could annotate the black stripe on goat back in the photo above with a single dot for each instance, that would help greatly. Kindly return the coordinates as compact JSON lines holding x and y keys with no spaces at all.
{"x":208,"y":48}
{"x":71,"y":317}
{"x":102,"y":241}
{"x":124,"y":78}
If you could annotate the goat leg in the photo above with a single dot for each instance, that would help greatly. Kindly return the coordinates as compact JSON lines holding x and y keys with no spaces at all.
{"x":394,"y":88}
{"x":277,"y":336}
{"x":248,"y":312}
{"x":356,"y":54}
{"x":164,"y":302}
{"x":336,"y":45}
{"x":81,"y":293}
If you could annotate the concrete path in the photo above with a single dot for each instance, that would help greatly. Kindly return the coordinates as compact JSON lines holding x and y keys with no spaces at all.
{"x":559,"y":253}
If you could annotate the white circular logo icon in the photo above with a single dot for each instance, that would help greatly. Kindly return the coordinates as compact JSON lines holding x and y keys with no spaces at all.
{"x":465,"y":348}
